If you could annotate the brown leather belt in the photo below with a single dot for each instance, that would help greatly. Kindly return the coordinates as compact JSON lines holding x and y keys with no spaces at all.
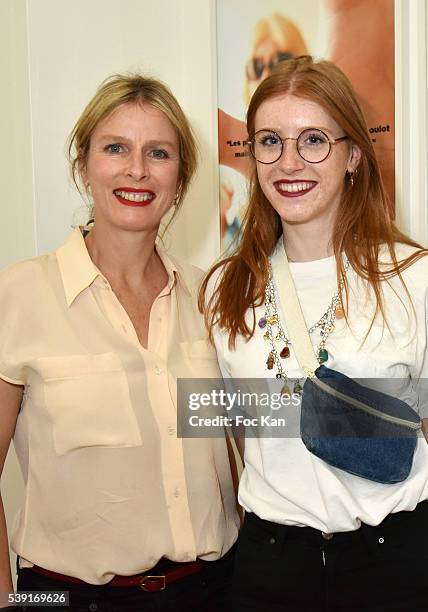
{"x":148,"y":582}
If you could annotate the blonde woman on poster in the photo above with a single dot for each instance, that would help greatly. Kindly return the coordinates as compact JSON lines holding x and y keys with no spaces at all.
{"x":316,"y":535}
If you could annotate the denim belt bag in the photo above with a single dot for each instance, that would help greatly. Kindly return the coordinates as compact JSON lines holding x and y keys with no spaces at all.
{"x":357,"y":429}
{"x":350,"y":426}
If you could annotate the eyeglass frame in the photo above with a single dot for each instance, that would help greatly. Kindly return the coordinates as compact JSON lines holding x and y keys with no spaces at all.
{"x":331,"y":141}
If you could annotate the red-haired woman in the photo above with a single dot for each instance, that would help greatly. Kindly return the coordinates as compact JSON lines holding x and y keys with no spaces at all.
{"x":317,"y":537}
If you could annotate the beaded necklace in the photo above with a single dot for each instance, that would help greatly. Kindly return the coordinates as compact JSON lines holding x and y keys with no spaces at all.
{"x":275,"y":332}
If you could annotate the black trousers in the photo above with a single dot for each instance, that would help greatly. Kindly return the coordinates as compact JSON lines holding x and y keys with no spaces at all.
{"x":374,"y":569}
{"x":207,"y":591}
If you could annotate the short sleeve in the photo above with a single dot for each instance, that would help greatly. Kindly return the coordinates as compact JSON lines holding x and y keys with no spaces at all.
{"x":13,"y":323}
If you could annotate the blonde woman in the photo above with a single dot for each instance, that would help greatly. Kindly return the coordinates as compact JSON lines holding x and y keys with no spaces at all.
{"x":118,"y":511}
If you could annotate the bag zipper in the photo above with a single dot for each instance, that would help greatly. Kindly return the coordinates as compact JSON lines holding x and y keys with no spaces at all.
{"x":364,"y":407}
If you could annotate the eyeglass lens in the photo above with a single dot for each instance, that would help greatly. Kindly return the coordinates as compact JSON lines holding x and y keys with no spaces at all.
{"x":256,"y":66}
{"x":312,"y":145}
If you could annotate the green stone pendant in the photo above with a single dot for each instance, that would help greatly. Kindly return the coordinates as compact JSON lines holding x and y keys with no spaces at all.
{"x":297,"y":388}
{"x":323,"y":355}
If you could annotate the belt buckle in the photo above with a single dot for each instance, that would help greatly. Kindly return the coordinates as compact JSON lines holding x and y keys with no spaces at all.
{"x":159,"y":583}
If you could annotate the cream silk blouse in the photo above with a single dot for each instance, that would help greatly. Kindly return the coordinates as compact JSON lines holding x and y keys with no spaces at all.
{"x":110,"y":488}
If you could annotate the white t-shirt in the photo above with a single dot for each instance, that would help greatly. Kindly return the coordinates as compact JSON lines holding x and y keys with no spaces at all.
{"x":282,"y":481}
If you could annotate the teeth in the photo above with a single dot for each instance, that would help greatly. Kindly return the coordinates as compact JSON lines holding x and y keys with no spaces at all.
{"x":294,"y":187}
{"x":135,"y":197}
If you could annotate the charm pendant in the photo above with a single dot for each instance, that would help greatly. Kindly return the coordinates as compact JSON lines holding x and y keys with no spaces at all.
{"x":297,"y":388}
{"x":262,"y":322}
{"x":285,"y":352}
{"x":270,"y":361}
{"x":285,"y":390}
{"x":323,"y":355}
{"x":340,"y":313}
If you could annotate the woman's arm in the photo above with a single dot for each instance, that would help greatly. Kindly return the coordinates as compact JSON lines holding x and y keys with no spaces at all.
{"x":10,"y":401}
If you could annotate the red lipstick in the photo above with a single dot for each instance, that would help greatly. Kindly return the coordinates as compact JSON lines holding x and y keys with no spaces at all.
{"x":129,"y":196}
{"x":294,"y":189}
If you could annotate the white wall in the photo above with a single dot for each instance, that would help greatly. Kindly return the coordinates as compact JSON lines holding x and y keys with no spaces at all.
{"x":17,"y":231}
{"x":411,"y":24}
{"x":17,"y":239}
{"x":53,"y":53}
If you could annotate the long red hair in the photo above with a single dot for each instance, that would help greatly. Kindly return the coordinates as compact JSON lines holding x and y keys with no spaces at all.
{"x":363,"y":221}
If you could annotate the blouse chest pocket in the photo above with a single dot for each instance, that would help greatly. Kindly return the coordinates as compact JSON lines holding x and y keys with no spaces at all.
{"x":88,"y":402}
{"x":200,"y":360}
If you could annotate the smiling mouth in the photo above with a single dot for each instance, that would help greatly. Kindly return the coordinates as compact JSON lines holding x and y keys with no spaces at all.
{"x":134,"y":198}
{"x":292,"y":189}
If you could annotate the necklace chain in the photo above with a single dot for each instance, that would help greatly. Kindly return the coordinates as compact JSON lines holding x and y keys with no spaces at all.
{"x":275,"y":333}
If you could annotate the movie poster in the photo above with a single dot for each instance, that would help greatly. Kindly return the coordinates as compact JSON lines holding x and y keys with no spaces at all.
{"x":253,"y":35}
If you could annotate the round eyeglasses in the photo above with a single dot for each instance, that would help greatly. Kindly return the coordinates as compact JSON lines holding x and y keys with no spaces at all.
{"x":313,"y":145}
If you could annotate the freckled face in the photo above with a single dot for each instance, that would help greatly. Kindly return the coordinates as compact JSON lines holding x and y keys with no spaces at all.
{"x":133,"y":167}
{"x":300,"y":191}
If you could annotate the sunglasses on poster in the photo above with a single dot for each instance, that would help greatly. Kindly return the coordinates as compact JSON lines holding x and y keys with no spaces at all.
{"x":256,"y":65}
